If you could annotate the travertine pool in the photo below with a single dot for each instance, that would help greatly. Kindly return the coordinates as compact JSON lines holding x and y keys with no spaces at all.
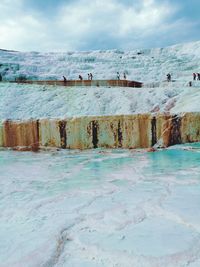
{"x":99,"y":208}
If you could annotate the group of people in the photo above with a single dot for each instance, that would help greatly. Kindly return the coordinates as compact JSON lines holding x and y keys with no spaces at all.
{"x":118,"y":76}
{"x":80,"y":78}
{"x":196,"y":76}
{"x":90,"y":77}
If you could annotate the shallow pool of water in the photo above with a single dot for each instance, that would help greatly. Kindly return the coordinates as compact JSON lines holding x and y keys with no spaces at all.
{"x":100,"y":208}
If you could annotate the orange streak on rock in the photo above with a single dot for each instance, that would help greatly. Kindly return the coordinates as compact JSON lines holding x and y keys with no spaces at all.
{"x":21,"y":134}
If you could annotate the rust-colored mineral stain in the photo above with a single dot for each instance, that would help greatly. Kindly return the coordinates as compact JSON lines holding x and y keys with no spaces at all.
{"x":144,"y":123}
{"x":10,"y":134}
{"x":138,"y":131}
{"x":89,"y":129}
{"x":63,"y":134}
{"x":190,"y":127}
{"x":35,"y":128}
{"x":163,"y":129}
{"x":114,"y":131}
{"x":153,"y":131}
{"x":95,"y":128}
{"x":21,"y":134}
{"x":120,"y":135}
{"x":175,"y":132}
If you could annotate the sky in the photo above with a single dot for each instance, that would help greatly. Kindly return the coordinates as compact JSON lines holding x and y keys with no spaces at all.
{"x":68,"y":25}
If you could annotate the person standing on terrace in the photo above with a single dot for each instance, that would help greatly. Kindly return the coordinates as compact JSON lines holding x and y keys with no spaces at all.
{"x":90,"y":76}
{"x":169,"y":77}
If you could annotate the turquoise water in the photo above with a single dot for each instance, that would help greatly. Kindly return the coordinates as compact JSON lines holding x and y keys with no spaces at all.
{"x":72,"y":208}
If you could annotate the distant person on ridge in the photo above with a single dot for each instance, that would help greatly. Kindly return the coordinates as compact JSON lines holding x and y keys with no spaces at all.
{"x":91,"y":76}
{"x":118,"y":76}
{"x":169,"y":77}
{"x":194,"y":76}
{"x":80,"y":77}
{"x":198,"y":76}
{"x":124,"y":76}
{"x":88,"y":76}
{"x":64,"y":79}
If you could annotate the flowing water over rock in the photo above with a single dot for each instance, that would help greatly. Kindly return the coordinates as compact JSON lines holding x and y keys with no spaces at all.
{"x":100,"y":208}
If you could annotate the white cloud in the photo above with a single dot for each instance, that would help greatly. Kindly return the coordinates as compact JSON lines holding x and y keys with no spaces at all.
{"x":111,"y":18}
{"x":18,"y":29}
{"x":82,"y":24}
{"x":150,"y":16}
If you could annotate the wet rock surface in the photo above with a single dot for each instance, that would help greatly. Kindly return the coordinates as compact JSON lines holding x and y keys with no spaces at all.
{"x":100,"y":208}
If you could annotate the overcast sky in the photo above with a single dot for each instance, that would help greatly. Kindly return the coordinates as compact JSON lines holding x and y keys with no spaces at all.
{"x":62,"y":25}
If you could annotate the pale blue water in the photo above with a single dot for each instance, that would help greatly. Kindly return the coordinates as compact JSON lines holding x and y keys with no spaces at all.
{"x":100,"y":208}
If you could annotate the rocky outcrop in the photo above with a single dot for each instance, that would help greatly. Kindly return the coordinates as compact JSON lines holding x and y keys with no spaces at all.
{"x":125,"y":131}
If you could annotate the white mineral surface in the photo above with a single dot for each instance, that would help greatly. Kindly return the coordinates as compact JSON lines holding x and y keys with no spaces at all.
{"x":100,"y":208}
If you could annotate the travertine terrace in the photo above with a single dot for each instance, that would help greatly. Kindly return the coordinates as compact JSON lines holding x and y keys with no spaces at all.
{"x":126,"y":131}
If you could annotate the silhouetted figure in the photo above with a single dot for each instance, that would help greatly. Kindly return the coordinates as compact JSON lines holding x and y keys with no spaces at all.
{"x":169,"y":77}
{"x":0,"y":77}
{"x":118,"y":76}
{"x":190,"y":83}
{"x":80,"y":77}
{"x":198,"y":76}
{"x":91,"y":76}
{"x":64,"y":79}
{"x":194,"y":76}
{"x":88,"y":76}
{"x":124,"y":76}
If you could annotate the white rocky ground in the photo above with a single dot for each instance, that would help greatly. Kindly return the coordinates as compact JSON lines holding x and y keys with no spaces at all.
{"x":34,"y":101}
{"x":100,"y":208}
{"x":149,"y":66}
